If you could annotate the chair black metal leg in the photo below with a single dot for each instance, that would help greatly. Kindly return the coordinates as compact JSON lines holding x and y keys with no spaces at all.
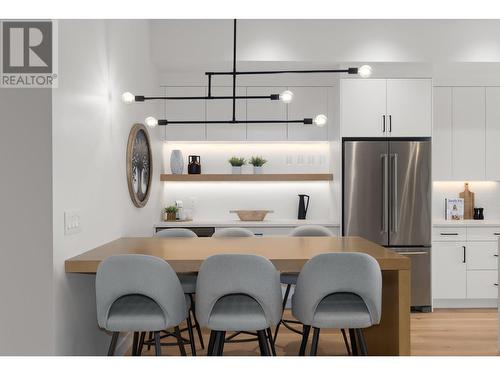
{"x":216,"y":345}
{"x":135,"y":343}
{"x":352,"y":337}
{"x":141,"y":343}
{"x":305,"y":336}
{"x":264,"y":349}
{"x":211,"y":342}
{"x":191,"y":335}
{"x":361,"y":340}
{"x":196,"y":324}
{"x":314,"y":344}
{"x":112,"y":344}
{"x":150,"y":339}
{"x":222,"y":340}
{"x":346,"y":342}
{"x":285,"y":298}
{"x":180,"y":341}
{"x":271,"y":341}
{"x":157,"y":343}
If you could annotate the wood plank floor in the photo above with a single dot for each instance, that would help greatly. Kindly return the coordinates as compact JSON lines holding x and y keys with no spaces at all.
{"x":442,"y":332}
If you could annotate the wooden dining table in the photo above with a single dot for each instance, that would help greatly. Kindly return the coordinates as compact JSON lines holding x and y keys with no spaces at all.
{"x":288,"y":254}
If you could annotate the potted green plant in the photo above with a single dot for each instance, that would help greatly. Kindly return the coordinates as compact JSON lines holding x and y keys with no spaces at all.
{"x":169,"y":213}
{"x":257,"y":162}
{"x":236,"y":164}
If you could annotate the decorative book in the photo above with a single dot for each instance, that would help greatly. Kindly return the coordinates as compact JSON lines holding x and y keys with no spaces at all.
{"x":454,"y":208}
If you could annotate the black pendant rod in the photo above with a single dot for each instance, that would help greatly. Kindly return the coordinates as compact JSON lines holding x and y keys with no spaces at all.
{"x":140,"y":98}
{"x":307,"y":121}
{"x":257,"y":72}
{"x":234,"y":71}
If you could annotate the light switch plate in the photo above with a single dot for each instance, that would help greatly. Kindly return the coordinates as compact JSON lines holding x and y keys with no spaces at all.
{"x":72,"y":222}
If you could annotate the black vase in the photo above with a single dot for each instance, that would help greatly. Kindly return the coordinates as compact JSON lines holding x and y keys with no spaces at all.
{"x":194,"y":166}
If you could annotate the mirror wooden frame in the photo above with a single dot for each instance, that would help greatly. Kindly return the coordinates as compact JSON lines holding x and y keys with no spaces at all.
{"x":136,"y":128}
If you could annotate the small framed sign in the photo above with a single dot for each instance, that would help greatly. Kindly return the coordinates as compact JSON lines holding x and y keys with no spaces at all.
{"x":454,"y":208}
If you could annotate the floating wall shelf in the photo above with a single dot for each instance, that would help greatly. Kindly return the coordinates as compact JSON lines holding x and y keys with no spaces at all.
{"x":248,"y":177}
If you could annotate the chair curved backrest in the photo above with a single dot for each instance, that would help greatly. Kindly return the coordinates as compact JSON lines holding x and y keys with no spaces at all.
{"x":224,"y":274}
{"x":121,"y":275}
{"x":233,"y":232}
{"x":176,"y":232}
{"x":310,"y":231}
{"x":330,"y":273}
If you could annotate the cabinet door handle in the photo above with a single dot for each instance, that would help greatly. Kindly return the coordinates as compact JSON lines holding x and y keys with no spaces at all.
{"x":496,"y":284}
{"x":448,"y":234}
{"x":383,"y":123}
{"x":496,"y":234}
{"x":465,"y":252}
{"x":390,"y":123}
{"x":495,"y":255}
{"x":259,"y":234}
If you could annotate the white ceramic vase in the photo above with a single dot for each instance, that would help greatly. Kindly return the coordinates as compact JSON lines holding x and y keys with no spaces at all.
{"x":257,"y":170}
{"x":236,"y":170}
{"x":176,"y":162}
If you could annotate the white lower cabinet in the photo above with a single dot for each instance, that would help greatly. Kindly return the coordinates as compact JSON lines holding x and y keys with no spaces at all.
{"x":449,"y":271}
{"x":465,"y":270}
{"x":482,"y":284}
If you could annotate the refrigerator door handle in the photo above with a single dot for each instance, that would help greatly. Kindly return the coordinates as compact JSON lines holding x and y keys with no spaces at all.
{"x":385,"y":192}
{"x":394,"y":203}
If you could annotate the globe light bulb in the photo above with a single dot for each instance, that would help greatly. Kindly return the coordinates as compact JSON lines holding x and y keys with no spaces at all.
{"x":128,"y":97}
{"x":320,"y":120}
{"x":286,"y":96}
{"x":151,"y":121}
{"x":365,"y":71}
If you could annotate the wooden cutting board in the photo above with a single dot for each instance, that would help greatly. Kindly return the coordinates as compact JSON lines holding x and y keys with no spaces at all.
{"x":468,"y":197}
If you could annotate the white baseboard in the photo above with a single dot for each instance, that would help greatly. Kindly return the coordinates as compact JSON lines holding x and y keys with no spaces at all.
{"x":464,"y":303}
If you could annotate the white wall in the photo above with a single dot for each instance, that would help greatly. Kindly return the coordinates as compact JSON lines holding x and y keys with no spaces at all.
{"x":98,"y":60}
{"x":26,"y":222}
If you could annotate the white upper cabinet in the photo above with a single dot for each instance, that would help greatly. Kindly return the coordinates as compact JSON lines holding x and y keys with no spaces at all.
{"x":493,"y":133}
{"x":468,"y":135}
{"x":185,"y":110}
{"x":223,"y":110}
{"x":363,"y":107}
{"x":307,"y":103}
{"x":441,"y":135}
{"x":409,"y":107}
{"x":386,"y":107}
{"x":259,"y":109}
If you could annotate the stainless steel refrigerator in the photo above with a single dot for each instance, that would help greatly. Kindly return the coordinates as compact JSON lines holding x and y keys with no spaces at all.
{"x":387,"y":199}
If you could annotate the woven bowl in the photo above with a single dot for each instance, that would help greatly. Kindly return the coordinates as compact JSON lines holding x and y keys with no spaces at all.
{"x":251,"y":215}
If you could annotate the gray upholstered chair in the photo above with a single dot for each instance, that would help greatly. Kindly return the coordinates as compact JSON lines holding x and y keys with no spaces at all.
{"x":338,"y":290}
{"x":188,"y":280}
{"x":238,"y":292}
{"x":233,"y":232}
{"x":139,"y":293}
{"x":290,"y":278}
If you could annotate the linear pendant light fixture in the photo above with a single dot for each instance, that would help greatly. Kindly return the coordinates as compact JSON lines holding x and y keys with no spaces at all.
{"x":286,"y":96}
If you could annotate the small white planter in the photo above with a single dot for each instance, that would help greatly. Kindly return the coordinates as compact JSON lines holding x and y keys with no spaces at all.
{"x":236,"y":170}
{"x":257,"y":170}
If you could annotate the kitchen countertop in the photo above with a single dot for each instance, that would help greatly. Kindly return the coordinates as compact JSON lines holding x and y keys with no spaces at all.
{"x":239,"y":223}
{"x":466,"y":223}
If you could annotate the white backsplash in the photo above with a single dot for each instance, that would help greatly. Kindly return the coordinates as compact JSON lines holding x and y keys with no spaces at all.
{"x":487,"y":195}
